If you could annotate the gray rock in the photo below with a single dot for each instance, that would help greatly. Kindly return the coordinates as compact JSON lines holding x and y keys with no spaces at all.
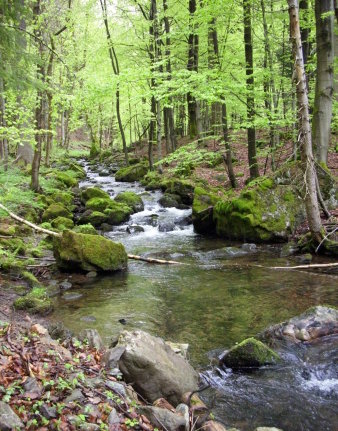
{"x":249,"y":247}
{"x":154,"y":368}
{"x":48,"y":412}
{"x":58,"y":331}
{"x":113,"y":418}
{"x":314,"y":323}
{"x":91,"y":274}
{"x":89,"y":427}
{"x":112,"y":356}
{"x":213,"y":426}
{"x":267,"y":429}
{"x":72,"y":296}
{"x":76,"y":395}
{"x":183,"y":410}
{"x":116,"y":387}
{"x":93,"y":337}
{"x":8,"y":419}
{"x":32,"y":386}
{"x":163,"y":418}
{"x":166,"y":226}
{"x":134,"y":229}
{"x":65,"y":285}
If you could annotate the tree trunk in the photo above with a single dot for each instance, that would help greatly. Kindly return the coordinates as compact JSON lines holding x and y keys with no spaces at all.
{"x":305,"y":138}
{"x":116,"y":69}
{"x":49,"y":106}
{"x":304,"y":29}
{"x":4,"y":141}
{"x":230,"y":168}
{"x":324,"y":11}
{"x":192,"y":67}
{"x":251,"y":130}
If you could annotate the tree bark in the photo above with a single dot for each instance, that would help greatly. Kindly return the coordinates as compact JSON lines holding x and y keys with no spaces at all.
{"x":305,"y":138}
{"x":324,"y":11}
{"x":251,"y":130}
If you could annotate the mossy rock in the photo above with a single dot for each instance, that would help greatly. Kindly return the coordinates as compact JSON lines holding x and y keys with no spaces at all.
{"x":89,"y":252}
{"x":117,"y":213}
{"x":131,"y":173}
{"x":14,"y":245}
{"x":152,"y":181}
{"x":62,"y":223}
{"x":182,"y":188}
{"x":95,"y":218}
{"x":6,"y":228}
{"x":77,"y":170}
{"x":67,"y":178}
{"x":63,"y":198}
{"x":250,"y":353}
{"x":35,"y":302}
{"x":98,"y":204}
{"x":170,"y":200}
{"x":94,"y":151}
{"x":203,"y":210}
{"x":44,"y":201}
{"x":88,"y":229}
{"x":54,"y":211}
{"x":132,"y":200}
{"x":93,"y":192}
{"x":263,"y":212}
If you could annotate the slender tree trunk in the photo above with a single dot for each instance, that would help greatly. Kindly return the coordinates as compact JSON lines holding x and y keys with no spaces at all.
{"x":230,"y":168}
{"x":253,"y":166}
{"x":116,"y":69}
{"x":4,"y":141}
{"x":324,"y":11}
{"x":193,"y":41}
{"x":35,"y":185}
{"x":49,"y":106}
{"x":305,"y":138}
{"x":304,"y":29}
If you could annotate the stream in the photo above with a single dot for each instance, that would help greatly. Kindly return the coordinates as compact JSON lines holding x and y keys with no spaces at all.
{"x":225,"y":293}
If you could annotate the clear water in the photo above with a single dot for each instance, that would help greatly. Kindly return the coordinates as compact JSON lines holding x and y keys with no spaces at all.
{"x":222,"y":294}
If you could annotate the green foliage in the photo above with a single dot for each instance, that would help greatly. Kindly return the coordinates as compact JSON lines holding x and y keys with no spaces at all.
{"x":35,"y":302}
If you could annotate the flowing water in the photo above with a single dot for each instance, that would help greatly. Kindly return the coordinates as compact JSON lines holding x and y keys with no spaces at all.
{"x":224,"y":293}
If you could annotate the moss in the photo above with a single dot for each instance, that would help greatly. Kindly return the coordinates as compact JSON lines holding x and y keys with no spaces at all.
{"x":35,"y":302}
{"x":6,"y":229}
{"x":44,"y":200}
{"x":95,"y":218}
{"x":117,"y":213}
{"x":98,"y":204}
{"x":54,"y":211}
{"x":14,"y":245}
{"x":89,"y":252}
{"x":93,"y":192}
{"x":152,"y":181}
{"x":63,"y":198}
{"x":250,"y":353}
{"x":94,"y":151}
{"x":86,"y":228}
{"x":132,"y":173}
{"x":62,"y":223}
{"x":132,"y":200}
{"x":67,"y":178}
{"x":182,"y":188}
{"x":259,"y":214}
{"x":30,"y":278}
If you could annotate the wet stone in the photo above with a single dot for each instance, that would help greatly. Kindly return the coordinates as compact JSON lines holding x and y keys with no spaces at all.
{"x":48,"y":412}
{"x":72,"y":296}
{"x":65,"y":285}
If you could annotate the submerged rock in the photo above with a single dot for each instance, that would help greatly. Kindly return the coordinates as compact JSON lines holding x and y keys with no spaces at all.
{"x":154,"y":368}
{"x":166,"y":226}
{"x":249,"y":353}
{"x":89,"y":252}
{"x":314,"y":323}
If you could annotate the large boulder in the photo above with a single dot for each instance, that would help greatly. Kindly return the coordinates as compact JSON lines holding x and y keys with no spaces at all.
{"x":154,"y":368}
{"x":249,"y":353}
{"x":95,"y":218}
{"x":54,"y":211}
{"x":131,"y":173}
{"x":262,"y":212}
{"x":203,"y":210}
{"x":132,"y":200}
{"x":93,"y":192}
{"x":181,"y":188}
{"x":67,"y":178}
{"x":88,"y":252}
{"x":98,"y":204}
{"x":314,"y":323}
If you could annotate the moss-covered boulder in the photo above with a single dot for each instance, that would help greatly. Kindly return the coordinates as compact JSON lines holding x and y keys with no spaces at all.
{"x":152,"y":181}
{"x":89,"y":252}
{"x":249,"y":353}
{"x":98,"y":204}
{"x":63,"y":198}
{"x":132,"y":173}
{"x":67,"y":178}
{"x":93,"y":192}
{"x":182,"y":188}
{"x":203,"y":210}
{"x":117,"y":213}
{"x":35,"y":302}
{"x":54,"y":211}
{"x":88,"y":229}
{"x":95,"y":218}
{"x":132,"y":200}
{"x":262,"y":212}
{"x":62,"y":223}
{"x":6,"y":227}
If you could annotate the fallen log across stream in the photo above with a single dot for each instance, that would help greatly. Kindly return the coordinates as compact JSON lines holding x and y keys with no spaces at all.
{"x":59,"y":235}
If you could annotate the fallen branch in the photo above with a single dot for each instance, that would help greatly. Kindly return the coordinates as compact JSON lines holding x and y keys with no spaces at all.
{"x":58,"y":235}
{"x":315,"y":265}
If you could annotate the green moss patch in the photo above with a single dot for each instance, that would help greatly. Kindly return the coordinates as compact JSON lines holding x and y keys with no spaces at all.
{"x":93,"y":192}
{"x":132,"y":200}
{"x":88,"y":229}
{"x":35,"y":302}
{"x":202,"y":210}
{"x":89,"y":252}
{"x":117,"y":213}
{"x":98,"y":204}
{"x":62,"y":223}
{"x":54,"y":211}
{"x":132,"y":173}
{"x":250,"y":353}
{"x":67,"y":178}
